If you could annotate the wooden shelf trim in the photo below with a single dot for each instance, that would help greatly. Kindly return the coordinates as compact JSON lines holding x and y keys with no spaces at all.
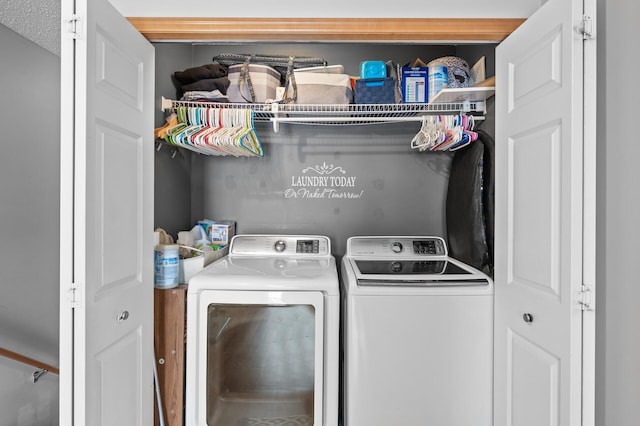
{"x":28,"y":361}
{"x":326,"y":29}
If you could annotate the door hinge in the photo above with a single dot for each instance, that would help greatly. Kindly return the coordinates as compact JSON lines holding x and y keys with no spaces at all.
{"x":73,"y":296}
{"x":74,"y":26}
{"x":587,"y":27}
{"x":584,"y":298}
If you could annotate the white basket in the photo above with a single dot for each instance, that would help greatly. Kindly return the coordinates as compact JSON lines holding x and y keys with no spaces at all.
{"x":212,"y":256}
{"x":192,"y":265}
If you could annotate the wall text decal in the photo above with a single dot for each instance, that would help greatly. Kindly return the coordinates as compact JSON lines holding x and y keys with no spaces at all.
{"x":324,"y":181}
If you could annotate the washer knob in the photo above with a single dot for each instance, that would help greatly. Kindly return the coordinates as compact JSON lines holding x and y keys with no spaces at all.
{"x":280,"y":246}
{"x":396,"y":247}
{"x":396,"y":267}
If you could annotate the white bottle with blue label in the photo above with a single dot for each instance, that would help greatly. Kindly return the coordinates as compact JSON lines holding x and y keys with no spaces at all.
{"x":438,"y":79}
{"x":167,"y":263}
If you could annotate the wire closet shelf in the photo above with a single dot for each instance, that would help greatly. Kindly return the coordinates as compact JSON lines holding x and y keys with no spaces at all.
{"x":351,"y":114}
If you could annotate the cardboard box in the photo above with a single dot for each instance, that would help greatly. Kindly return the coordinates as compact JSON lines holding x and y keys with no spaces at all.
{"x":415,"y":85}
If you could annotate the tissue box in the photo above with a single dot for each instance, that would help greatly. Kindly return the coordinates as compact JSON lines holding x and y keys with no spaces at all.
{"x":221,"y":232}
{"x":414,"y":84}
{"x":218,"y":232}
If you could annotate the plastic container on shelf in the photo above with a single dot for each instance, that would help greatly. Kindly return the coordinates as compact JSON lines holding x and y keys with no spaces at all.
{"x":373,"y":69}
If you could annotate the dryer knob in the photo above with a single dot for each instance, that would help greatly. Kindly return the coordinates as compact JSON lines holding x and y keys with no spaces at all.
{"x":280,"y":246}
{"x":396,"y":247}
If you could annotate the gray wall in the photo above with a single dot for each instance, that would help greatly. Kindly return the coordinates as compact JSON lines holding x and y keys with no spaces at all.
{"x":618,"y":329}
{"x":402,"y":190}
{"x":172,"y":193}
{"x":29,"y":213}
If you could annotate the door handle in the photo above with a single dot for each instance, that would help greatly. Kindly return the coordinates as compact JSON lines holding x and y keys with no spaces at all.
{"x":123,"y":316}
{"x":527,"y":317}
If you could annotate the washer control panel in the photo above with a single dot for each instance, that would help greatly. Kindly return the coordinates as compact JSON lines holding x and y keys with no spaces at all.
{"x":396,"y":246}
{"x":308,"y":246}
{"x":280,"y":245}
{"x":431,"y":246}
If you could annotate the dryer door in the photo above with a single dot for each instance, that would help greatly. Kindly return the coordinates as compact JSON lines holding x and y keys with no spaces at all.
{"x":258,"y":358}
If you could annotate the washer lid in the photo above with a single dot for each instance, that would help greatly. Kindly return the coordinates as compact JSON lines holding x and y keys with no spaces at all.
{"x":410,"y":267}
{"x":269,"y":273}
{"x":272,"y":263}
{"x":441,"y":271}
{"x":414,"y":261}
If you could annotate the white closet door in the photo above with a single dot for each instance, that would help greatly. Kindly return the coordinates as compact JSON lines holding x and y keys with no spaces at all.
{"x":540,"y":173}
{"x":107,"y":219}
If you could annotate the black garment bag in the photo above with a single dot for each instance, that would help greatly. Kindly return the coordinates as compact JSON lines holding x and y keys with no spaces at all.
{"x":470,"y":206}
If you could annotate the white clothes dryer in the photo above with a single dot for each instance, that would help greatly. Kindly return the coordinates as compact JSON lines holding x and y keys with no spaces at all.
{"x":418,"y":335}
{"x":263,"y":335}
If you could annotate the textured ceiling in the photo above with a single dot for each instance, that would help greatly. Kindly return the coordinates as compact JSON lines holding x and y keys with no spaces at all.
{"x":37,"y":20}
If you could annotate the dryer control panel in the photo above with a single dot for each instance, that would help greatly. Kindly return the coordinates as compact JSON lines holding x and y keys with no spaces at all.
{"x":396,"y":246}
{"x":282,"y":245}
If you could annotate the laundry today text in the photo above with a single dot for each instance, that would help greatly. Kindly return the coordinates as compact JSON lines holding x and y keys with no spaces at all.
{"x":323,"y":181}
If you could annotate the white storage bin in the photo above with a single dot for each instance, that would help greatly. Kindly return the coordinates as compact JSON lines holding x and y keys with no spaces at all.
{"x":322,"y":88}
{"x":192,"y":265}
{"x":329,"y":69}
{"x":189,"y":267}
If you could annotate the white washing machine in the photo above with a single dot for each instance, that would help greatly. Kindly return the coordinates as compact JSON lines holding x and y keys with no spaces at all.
{"x":418,"y":335}
{"x":263,"y":335}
